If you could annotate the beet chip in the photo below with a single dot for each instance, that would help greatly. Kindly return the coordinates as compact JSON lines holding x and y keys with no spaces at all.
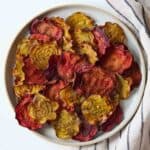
{"x":96,"y":81}
{"x":114,"y":120}
{"x":117,"y":60}
{"x":134,"y":74}
{"x":101,"y":40}
{"x":22,"y":115}
{"x":66,"y":65}
{"x":40,"y":37}
{"x":32,"y":74}
{"x":87,"y":132}
{"x":46,"y":27}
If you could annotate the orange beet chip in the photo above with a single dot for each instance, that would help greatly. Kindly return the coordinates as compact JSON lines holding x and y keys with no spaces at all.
{"x":40,"y":37}
{"x":32,"y":74}
{"x":117,"y":60}
{"x":96,"y":81}
{"x":133,"y":74}
{"x":22,"y":114}
{"x":101,"y":40}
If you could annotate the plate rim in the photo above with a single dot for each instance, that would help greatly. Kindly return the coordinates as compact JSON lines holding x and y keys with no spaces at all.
{"x":53,"y":8}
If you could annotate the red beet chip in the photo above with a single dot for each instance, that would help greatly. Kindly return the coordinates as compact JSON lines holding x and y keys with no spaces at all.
{"x":87,"y":132}
{"x":66,"y":65}
{"x":22,"y":114}
{"x":118,"y":59}
{"x":40,"y":37}
{"x":46,"y":27}
{"x":96,"y":81}
{"x":134,"y":74}
{"x":113,"y":120}
{"x":32,"y":74}
{"x":101,"y":40}
{"x":53,"y":91}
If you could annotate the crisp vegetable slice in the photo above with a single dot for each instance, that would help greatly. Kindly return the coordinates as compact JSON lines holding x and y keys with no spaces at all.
{"x":42,"y":109}
{"x":118,"y":59}
{"x":22,"y":115}
{"x":114,"y":32}
{"x":67,"y":125}
{"x":24,"y":89}
{"x":96,"y":109}
{"x":80,"y":20}
{"x":41,"y":53}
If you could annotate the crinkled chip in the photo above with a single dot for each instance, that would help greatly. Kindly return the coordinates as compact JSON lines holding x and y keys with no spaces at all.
{"x":124,"y":88}
{"x":114,"y":32}
{"x":83,"y":36}
{"x":40,"y":37}
{"x":113,"y":120}
{"x":67,"y":125}
{"x":80,"y":20}
{"x":89,"y":52}
{"x":24,"y":89}
{"x":68,"y":97}
{"x":96,"y":109}
{"x":22,"y":115}
{"x":17,"y":72}
{"x":66,"y":65}
{"x":133,"y":74}
{"x":42,"y":109}
{"x":46,"y":27}
{"x":96,"y":81}
{"x":41,"y":53}
{"x":53,"y":90}
{"x":118,"y":59}
{"x":67,"y":41}
{"x":101,"y":40}
{"x":87,"y":132}
{"x":25,"y":45}
{"x":32,"y":74}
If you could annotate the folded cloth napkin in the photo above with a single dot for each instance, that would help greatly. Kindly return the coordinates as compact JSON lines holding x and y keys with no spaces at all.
{"x":136,"y":135}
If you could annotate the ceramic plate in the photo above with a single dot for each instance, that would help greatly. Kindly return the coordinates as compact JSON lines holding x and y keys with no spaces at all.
{"x":129,"y":106}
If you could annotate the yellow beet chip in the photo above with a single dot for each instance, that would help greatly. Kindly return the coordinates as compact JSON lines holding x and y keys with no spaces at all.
{"x":124,"y":88}
{"x":67,"y":125}
{"x":27,"y":89}
{"x":96,"y":109}
{"x":89,"y":51}
{"x":80,"y":20}
{"x":114,"y":32}
{"x":42,"y":109}
{"x":18,"y":73}
{"x":41,"y":53}
{"x":81,"y":36}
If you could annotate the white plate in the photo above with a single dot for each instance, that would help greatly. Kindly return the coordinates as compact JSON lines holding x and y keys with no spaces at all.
{"x":129,"y":106}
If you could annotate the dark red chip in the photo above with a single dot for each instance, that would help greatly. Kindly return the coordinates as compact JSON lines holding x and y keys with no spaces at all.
{"x":134,"y":74}
{"x":32,"y":74}
{"x":22,"y":114}
{"x":113,"y":120}
{"x":101,"y":40}
{"x":118,"y":59}
{"x":87,"y":132}
{"x":46,"y":27}
{"x":40,"y":37}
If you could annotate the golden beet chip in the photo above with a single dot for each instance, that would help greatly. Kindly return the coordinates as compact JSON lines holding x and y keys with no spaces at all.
{"x":81,"y":36}
{"x":124,"y":88}
{"x":25,"y":45}
{"x":42,"y":109}
{"x":67,"y":41}
{"x":96,"y":109}
{"x":41,"y":53}
{"x":18,"y":73}
{"x":114,"y":32}
{"x":68,"y":97}
{"x":67,"y":125}
{"x":80,"y":20}
{"x":89,"y":51}
{"x":22,"y":90}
